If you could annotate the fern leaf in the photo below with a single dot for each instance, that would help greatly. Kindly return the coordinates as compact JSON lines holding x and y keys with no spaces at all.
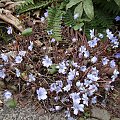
{"x":30,"y":5}
{"x":54,"y":22}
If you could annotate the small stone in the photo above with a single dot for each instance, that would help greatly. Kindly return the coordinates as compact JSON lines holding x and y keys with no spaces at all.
{"x":100,"y":113}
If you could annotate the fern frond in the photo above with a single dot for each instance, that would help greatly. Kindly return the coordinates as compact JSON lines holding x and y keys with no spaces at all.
{"x":31,"y":5}
{"x":54,"y":22}
{"x":69,"y":19}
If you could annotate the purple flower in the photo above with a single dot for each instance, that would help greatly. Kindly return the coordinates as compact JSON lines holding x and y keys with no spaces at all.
{"x":117,"y":18}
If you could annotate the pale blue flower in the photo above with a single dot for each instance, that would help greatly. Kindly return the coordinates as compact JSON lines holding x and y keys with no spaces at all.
{"x":57,"y":86}
{"x":62,"y":67}
{"x":67,"y":88}
{"x":9,"y":30}
{"x":82,"y":49}
{"x":105,"y":61}
{"x":4,"y":57}
{"x":42,"y":19}
{"x":83,"y":68}
{"x":78,"y":107}
{"x":7,"y":95}
{"x":30,"y":47}
{"x":117,"y":18}
{"x":94,"y":59}
{"x":22,"y":53}
{"x":46,"y":14}
{"x":31,"y":77}
{"x":72,"y":74}
{"x":75,"y":97}
{"x":18,"y":59}
{"x":17,"y":72}
{"x":85,"y":99}
{"x":94,"y":100}
{"x":2,"y":73}
{"x":46,"y":61}
{"x":92,"y":33}
{"x":117,"y":55}
{"x":41,"y":93}
{"x":115,"y":75}
{"x":93,"y":43}
{"x":86,"y":54}
{"x":76,"y":16}
{"x":112,"y":64}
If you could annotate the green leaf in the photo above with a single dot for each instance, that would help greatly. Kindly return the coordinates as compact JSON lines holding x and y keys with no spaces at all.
{"x":88,"y":8}
{"x":27,"y":32}
{"x":79,"y":9}
{"x":11,"y":103}
{"x":78,"y":26}
{"x":52,"y":69}
{"x":117,"y":2}
{"x":72,"y":3}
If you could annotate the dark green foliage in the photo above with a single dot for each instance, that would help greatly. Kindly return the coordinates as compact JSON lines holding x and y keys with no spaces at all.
{"x":54,"y":22}
{"x":107,"y":6}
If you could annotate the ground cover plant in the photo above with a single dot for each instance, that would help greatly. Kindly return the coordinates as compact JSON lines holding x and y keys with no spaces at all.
{"x":57,"y":65}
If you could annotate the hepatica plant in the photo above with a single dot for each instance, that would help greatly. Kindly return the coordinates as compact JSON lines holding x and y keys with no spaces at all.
{"x":78,"y":72}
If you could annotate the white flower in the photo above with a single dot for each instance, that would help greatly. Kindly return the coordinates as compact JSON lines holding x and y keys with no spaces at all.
{"x":74,"y":64}
{"x":85,"y":99}
{"x":93,"y":43}
{"x":86,"y":54}
{"x":2,"y":73}
{"x":92,"y":89}
{"x":7,"y":95}
{"x":41,"y":93}
{"x":31,"y":78}
{"x":53,"y":40}
{"x":94,"y":59}
{"x":87,"y":82}
{"x":94,"y":100}
{"x":112,"y":64}
{"x":56,"y":86}
{"x":78,"y":107}
{"x":30,"y":47}
{"x":115,"y":75}
{"x":109,"y":34}
{"x":92,"y":33}
{"x":74,"y":39}
{"x":62,"y":67}
{"x":9,"y":30}
{"x":46,"y":14}
{"x":76,"y":16}
{"x":22,"y":53}
{"x":105,"y":61}
{"x":82,"y":49}
{"x":17,"y":72}
{"x":92,"y":77}
{"x":67,"y":88}
{"x":4,"y":57}
{"x":83,"y":68}
{"x":75,"y":97}
{"x":42,"y":19}
{"x":18,"y":59}
{"x":46,"y":61}
{"x":72,"y":74}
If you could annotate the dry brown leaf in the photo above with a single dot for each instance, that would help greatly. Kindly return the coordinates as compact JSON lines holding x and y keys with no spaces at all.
{"x":7,"y":16}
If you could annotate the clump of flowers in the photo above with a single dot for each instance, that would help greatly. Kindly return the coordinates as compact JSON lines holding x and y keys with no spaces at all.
{"x":79,"y":72}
